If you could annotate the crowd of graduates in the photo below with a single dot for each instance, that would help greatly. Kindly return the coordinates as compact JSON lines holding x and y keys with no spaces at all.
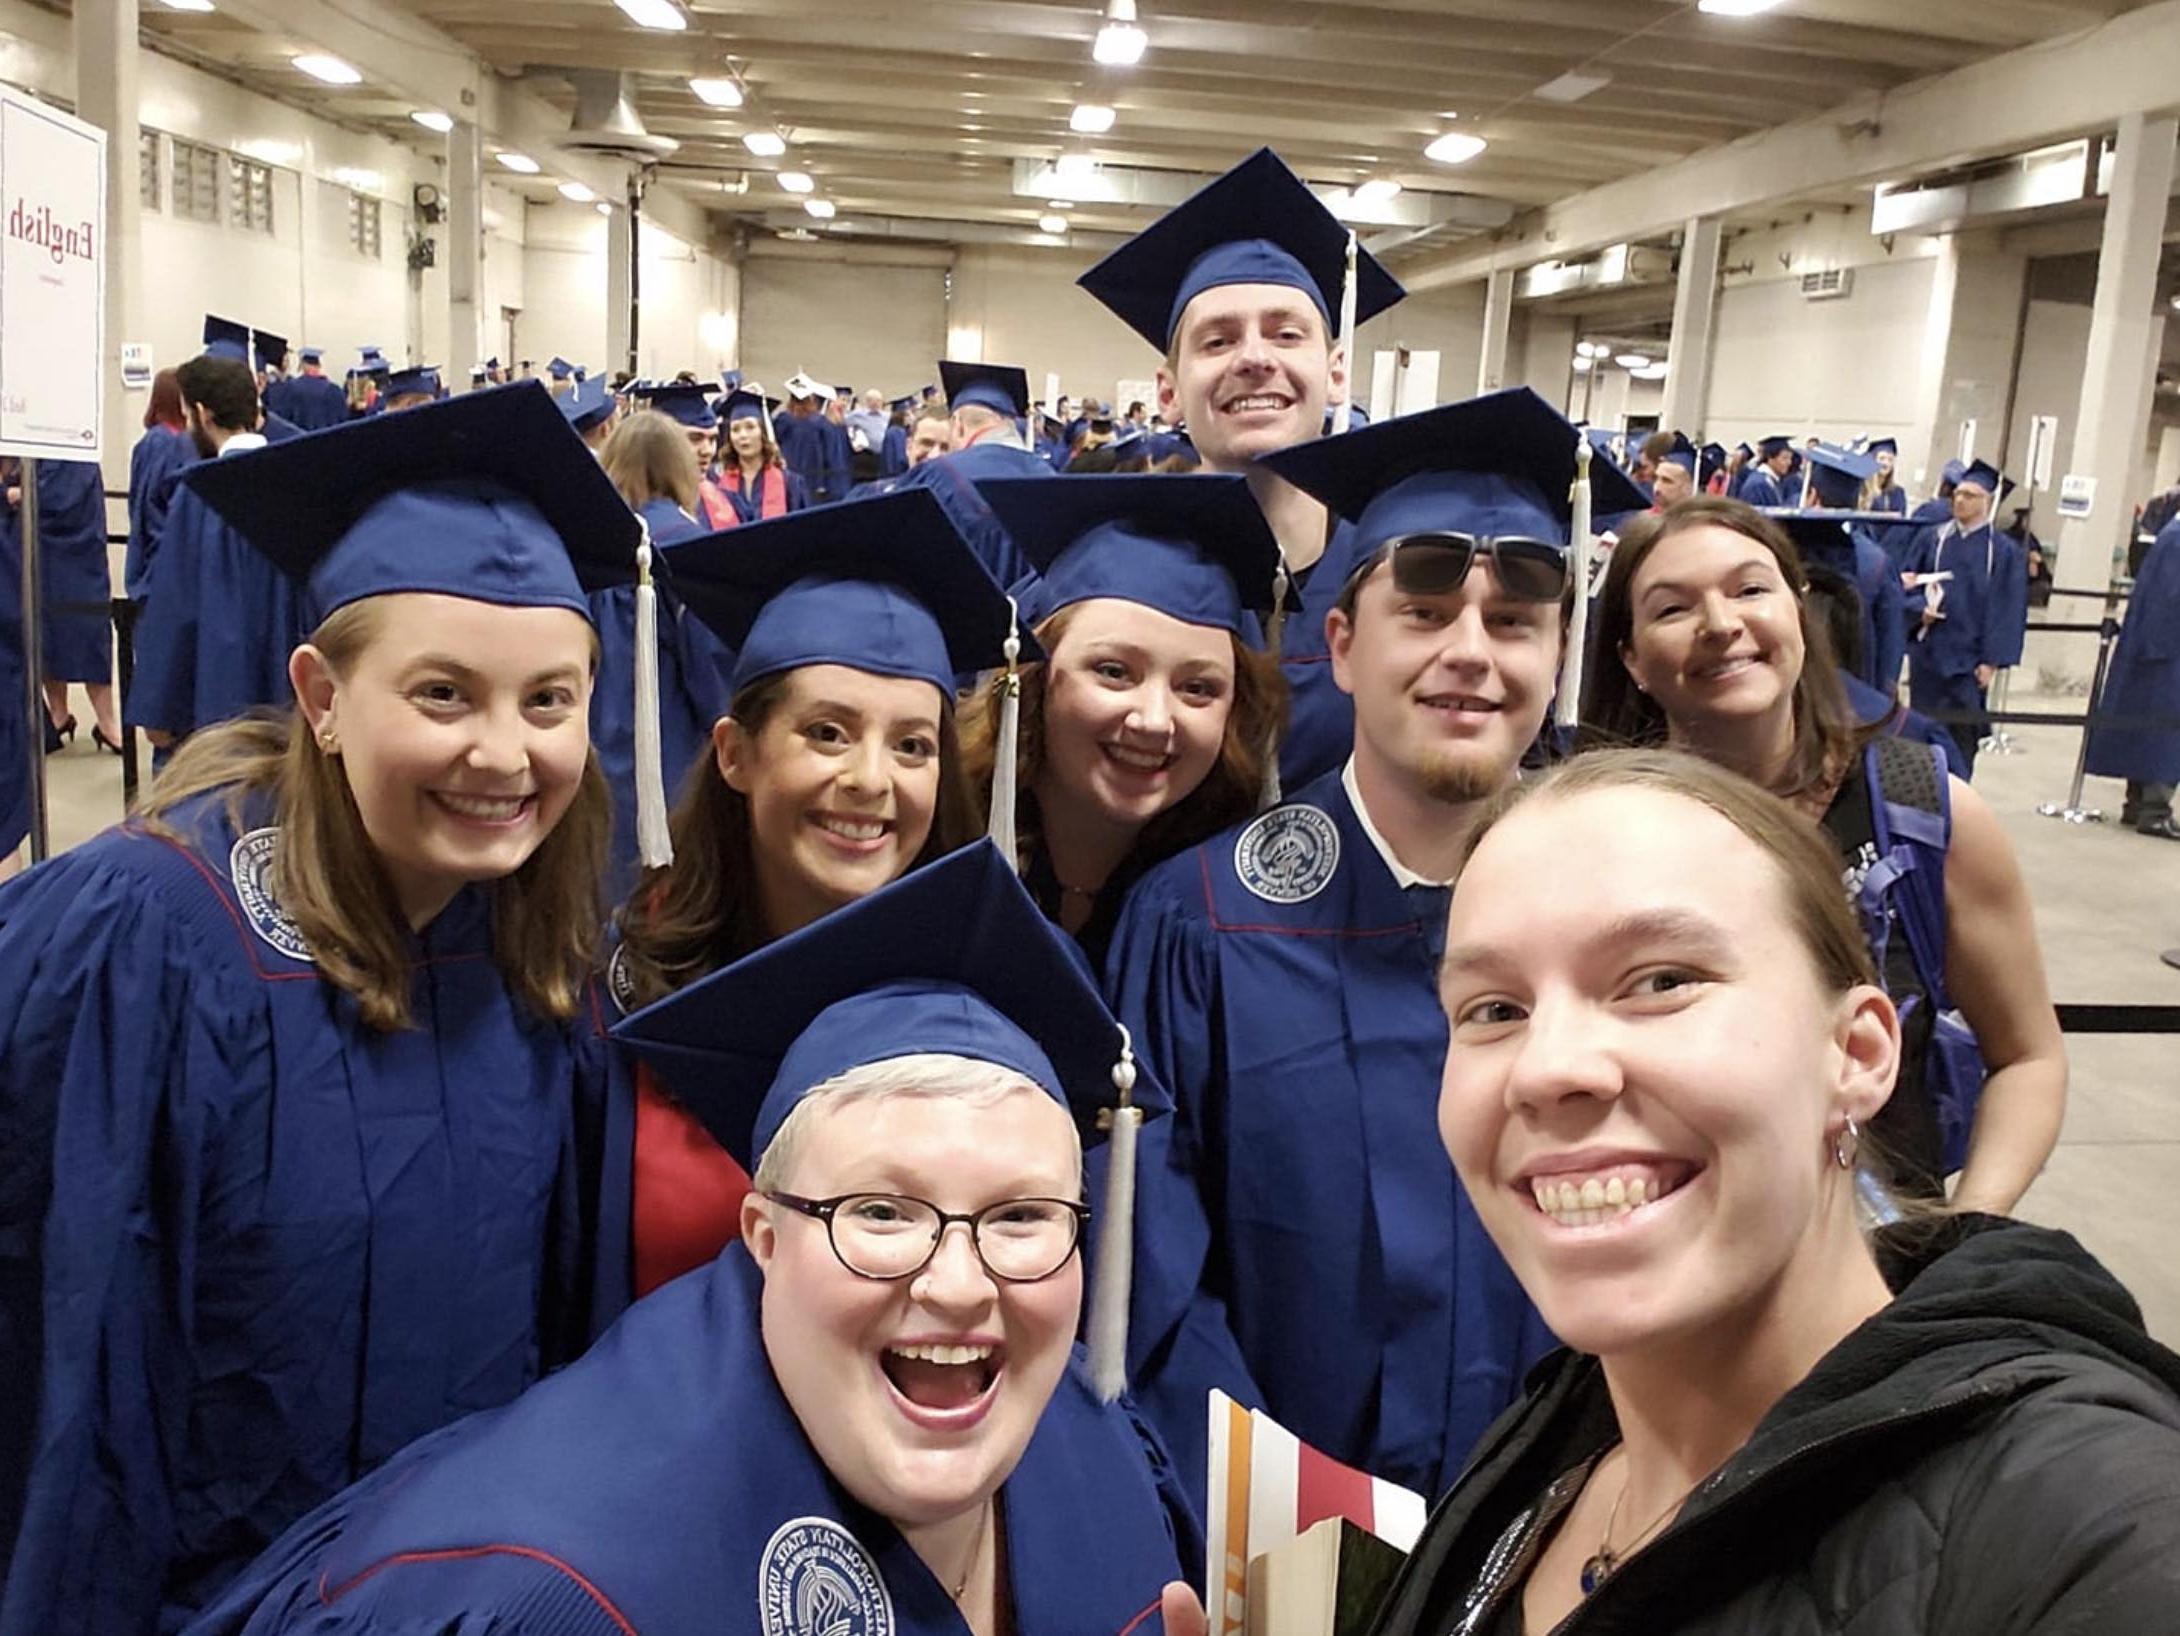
{"x":1444,"y":931}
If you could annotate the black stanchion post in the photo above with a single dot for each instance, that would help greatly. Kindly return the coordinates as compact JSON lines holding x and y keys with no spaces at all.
{"x":2074,"y":812}
{"x":124,"y":676}
{"x":33,"y":701}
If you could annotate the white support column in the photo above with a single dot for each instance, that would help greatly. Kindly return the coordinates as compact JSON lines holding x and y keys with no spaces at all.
{"x":1498,"y":320}
{"x":465,"y":251}
{"x":106,"y":91}
{"x":1695,"y":315}
{"x":620,"y":285}
{"x":2111,"y":438}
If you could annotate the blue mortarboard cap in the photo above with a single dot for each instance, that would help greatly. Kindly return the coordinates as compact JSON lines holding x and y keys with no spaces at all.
{"x":487,"y":496}
{"x":690,"y":405}
{"x":1196,"y":549}
{"x":902,"y":406}
{"x":885,"y":584}
{"x":1714,"y":460}
{"x":312,"y":355}
{"x":952,"y":958}
{"x":742,"y":404}
{"x":1882,"y":445}
{"x":1257,"y":224}
{"x":404,"y":383}
{"x":1686,"y":458}
{"x":271,"y":350}
{"x":560,"y":369}
{"x":371,"y":361}
{"x":1826,"y":538}
{"x":492,"y":363}
{"x":1838,"y":474}
{"x":730,"y":379}
{"x":1954,"y":471}
{"x":1501,"y":464}
{"x":1770,"y":446}
{"x":589,"y":404}
{"x":1001,"y":388}
{"x":1743,"y":450}
{"x":1986,"y":477}
{"x":224,"y":338}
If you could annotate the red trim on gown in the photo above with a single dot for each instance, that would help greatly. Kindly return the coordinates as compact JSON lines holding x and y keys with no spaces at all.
{"x":688,"y":1190}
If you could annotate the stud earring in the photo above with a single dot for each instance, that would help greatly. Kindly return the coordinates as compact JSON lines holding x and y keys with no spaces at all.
{"x":329,"y":741}
{"x":1847,"y":1144}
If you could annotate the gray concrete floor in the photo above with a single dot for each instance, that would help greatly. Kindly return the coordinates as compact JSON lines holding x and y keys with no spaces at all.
{"x":2107,"y":902}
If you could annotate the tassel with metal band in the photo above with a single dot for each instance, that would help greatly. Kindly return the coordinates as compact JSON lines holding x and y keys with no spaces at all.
{"x":1569,"y":713}
{"x":999,"y":825}
{"x":1114,"y":1274}
{"x":654,"y":844}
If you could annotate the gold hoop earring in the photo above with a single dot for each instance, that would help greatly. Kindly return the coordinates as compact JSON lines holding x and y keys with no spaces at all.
{"x":1847,"y":1144}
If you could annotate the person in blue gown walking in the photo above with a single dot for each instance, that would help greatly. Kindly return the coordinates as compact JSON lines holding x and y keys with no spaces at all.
{"x":1967,"y":607}
{"x":78,"y":590}
{"x":287,"y":1076}
{"x":2145,"y":683}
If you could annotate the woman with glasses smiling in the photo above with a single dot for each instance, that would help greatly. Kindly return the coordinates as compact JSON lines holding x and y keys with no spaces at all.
{"x":868,"y":1415}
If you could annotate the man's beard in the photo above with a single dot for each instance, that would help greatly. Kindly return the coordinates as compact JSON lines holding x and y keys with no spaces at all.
{"x":206,"y":448}
{"x":1462,"y":780}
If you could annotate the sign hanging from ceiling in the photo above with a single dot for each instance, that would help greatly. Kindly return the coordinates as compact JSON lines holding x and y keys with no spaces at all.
{"x":52,"y":281}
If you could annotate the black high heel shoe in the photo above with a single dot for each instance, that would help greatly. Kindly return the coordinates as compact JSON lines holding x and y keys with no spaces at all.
{"x":59,"y":733}
{"x":99,"y":738}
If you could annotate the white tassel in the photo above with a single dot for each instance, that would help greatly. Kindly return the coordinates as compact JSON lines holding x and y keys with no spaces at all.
{"x":1110,"y":1292}
{"x":1347,"y":334}
{"x":654,"y":844}
{"x":1569,"y":713}
{"x":1006,"y":756}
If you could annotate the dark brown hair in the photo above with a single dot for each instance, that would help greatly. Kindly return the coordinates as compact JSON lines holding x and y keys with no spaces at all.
{"x":1232,"y":790}
{"x":165,"y":408}
{"x":326,"y":874}
{"x":700,"y":912}
{"x":1616,"y":712}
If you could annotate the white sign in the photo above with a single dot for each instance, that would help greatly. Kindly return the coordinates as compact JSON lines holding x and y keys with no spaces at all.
{"x":1131,"y":392}
{"x":136,"y":367}
{"x":52,"y":281}
{"x":2077,"y":495}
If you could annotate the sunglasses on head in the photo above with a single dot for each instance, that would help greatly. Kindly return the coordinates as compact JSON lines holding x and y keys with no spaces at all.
{"x":1437,"y":562}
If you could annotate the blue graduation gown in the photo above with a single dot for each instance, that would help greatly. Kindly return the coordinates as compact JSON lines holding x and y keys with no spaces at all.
{"x":218,"y":623}
{"x":1893,"y":499}
{"x":1871,"y":705}
{"x":15,"y":746}
{"x":746,"y":504}
{"x":1301,"y":1239}
{"x":952,"y":480}
{"x":893,"y":452}
{"x":1320,"y":731}
{"x":1760,"y":489}
{"x":79,"y":647}
{"x":2145,"y":675}
{"x":312,"y":402}
{"x":663,"y":1485}
{"x":158,"y":455}
{"x":249,"y":1247}
{"x":1862,"y":562}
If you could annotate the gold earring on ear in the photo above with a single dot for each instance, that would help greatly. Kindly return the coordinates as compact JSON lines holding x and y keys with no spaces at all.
{"x":1847,"y":1144}
{"x":329,"y":741}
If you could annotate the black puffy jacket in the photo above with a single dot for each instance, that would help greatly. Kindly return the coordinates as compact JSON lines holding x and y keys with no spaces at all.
{"x":1996,"y":1453}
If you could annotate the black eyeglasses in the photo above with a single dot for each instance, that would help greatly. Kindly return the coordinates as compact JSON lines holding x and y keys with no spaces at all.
{"x":888,"y":1236}
{"x":1437,"y":562}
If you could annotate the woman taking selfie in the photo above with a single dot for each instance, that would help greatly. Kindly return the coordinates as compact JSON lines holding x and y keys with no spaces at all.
{"x":834,"y":771}
{"x":1150,"y":724}
{"x":1768,"y":1417}
{"x":286,"y":1071}
{"x":1719,"y":655}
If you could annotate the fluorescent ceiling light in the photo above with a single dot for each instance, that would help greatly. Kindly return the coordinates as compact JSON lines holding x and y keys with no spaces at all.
{"x":1119,"y":43}
{"x":520,"y":163}
{"x":1378,"y":190}
{"x":765,"y":144}
{"x":577,"y":193}
{"x":822,"y":209}
{"x":796,"y":182}
{"x":1059,"y":204}
{"x":655,"y":14}
{"x":1735,"y":8}
{"x":1632,"y":360}
{"x":1656,"y":372}
{"x":604,"y":209}
{"x":1571,"y":87}
{"x":715,"y":93}
{"x":1074,"y":167}
{"x":331,"y":70}
{"x":188,"y":5}
{"x":1091,"y":119}
{"x":1455,"y":148}
{"x":1054,"y":225}
{"x":433,"y":120}
{"x":1588,"y":349}
{"x":1584,"y":363}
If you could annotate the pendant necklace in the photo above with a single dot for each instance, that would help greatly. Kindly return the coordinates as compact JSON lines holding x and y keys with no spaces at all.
{"x":1606,"y":1562}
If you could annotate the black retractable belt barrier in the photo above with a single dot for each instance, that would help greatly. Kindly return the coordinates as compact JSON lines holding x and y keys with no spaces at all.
{"x":2121,"y":1019}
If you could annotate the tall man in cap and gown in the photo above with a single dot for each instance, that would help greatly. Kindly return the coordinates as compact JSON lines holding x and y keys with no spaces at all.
{"x":1245,"y":289}
{"x":1302,"y":1243}
{"x":1967,"y":607}
{"x":865,"y":1415}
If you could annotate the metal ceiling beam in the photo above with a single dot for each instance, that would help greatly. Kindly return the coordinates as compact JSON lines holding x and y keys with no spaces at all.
{"x":2023,"y":99}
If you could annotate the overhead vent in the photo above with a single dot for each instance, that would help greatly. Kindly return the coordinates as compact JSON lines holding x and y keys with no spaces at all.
{"x":1830,"y":285}
{"x":606,"y":120}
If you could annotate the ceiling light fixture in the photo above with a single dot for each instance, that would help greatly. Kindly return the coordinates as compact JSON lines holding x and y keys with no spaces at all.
{"x":1119,"y":43}
{"x":433,"y":120}
{"x":1588,"y":349}
{"x":1378,"y":190}
{"x":716,"y":93}
{"x":188,"y":5}
{"x":604,"y":209}
{"x":331,"y":70}
{"x":1571,"y":87}
{"x":765,"y":144}
{"x":1735,"y":8}
{"x":1656,"y":372}
{"x":823,"y":209}
{"x":520,"y":163}
{"x":1074,"y":167}
{"x":577,"y":193}
{"x":1090,"y":119}
{"x":659,"y":14}
{"x":1632,"y":360}
{"x":795,"y":181}
{"x":1055,"y":225}
{"x":1584,"y":363}
{"x":1455,"y":148}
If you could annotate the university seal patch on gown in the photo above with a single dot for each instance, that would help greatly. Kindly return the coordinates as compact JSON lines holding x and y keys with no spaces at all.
{"x":249,"y":866}
{"x":1289,"y":855}
{"x":815,"y":1579}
